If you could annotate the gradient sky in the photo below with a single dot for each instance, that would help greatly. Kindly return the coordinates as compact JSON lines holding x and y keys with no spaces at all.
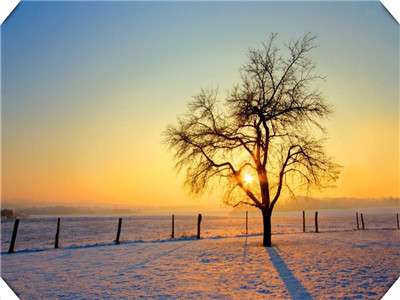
{"x":88,"y":87}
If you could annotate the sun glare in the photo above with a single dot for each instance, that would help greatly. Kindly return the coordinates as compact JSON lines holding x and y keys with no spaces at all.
{"x":248,"y":178}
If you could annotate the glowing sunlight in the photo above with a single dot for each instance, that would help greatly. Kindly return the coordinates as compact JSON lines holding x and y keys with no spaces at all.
{"x":248,"y":179}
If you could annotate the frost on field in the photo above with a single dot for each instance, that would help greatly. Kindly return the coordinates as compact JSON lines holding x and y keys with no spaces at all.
{"x":330,"y":264}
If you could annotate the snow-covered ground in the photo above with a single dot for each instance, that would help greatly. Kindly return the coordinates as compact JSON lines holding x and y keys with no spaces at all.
{"x":39,"y":233}
{"x":327,"y":265}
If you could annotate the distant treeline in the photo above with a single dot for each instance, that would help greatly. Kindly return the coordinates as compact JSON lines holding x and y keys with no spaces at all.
{"x":71,"y":210}
{"x":303,"y":203}
{"x":7,"y":214}
{"x":63,"y":210}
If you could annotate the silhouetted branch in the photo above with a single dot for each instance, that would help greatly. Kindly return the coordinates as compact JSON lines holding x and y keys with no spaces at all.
{"x":264,"y":124}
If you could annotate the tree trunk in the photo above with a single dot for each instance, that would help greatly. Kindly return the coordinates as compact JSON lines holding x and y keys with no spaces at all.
{"x":267,"y":227}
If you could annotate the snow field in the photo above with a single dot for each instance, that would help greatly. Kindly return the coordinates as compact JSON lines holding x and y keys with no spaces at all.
{"x":327,"y":265}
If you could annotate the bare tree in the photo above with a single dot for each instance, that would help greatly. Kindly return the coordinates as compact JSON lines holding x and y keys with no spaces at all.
{"x":268,"y":128}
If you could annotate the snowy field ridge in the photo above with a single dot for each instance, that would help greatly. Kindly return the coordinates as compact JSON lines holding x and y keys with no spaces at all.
{"x":38,"y":234}
{"x":327,"y":265}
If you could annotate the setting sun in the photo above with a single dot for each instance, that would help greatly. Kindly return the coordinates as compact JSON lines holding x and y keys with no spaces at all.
{"x":248,"y":178}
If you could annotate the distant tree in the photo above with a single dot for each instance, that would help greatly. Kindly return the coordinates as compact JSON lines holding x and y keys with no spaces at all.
{"x":268,"y":128}
{"x":7,"y":214}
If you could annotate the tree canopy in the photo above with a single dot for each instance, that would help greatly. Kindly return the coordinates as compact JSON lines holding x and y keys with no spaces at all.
{"x":269,"y":126}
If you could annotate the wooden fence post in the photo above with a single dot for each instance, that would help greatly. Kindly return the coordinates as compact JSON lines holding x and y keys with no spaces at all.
{"x":173,"y":227}
{"x":362,"y":221}
{"x":14,"y":236}
{"x":304,"y":221}
{"x":198,"y":226}
{"x":358,"y":225}
{"x":247,"y":222}
{"x":316,"y":221}
{"x":57,"y":234}
{"x":119,"y":230}
{"x":398,"y":226}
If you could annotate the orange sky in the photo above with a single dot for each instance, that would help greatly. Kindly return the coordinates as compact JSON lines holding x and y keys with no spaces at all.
{"x":86,"y":97}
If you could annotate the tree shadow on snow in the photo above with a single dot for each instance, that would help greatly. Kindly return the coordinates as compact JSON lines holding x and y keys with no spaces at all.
{"x":295,"y":288}
{"x":166,"y":253}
